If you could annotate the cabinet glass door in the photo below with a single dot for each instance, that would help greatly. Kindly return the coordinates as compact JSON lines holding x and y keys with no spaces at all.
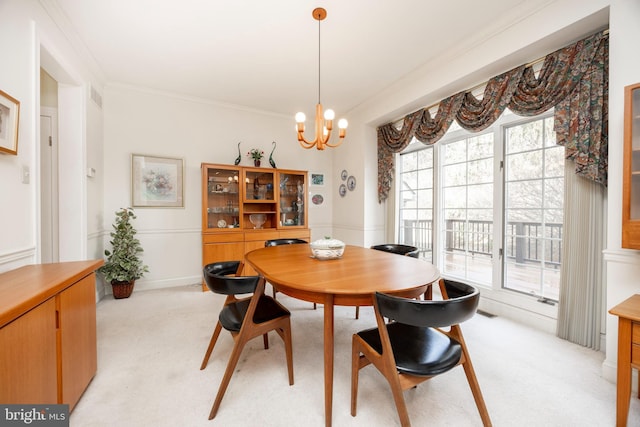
{"x":634,"y":190}
{"x":222,"y":202}
{"x":259,"y":205}
{"x":292,"y":207}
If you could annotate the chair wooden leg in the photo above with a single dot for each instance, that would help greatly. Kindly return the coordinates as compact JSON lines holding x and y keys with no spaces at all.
{"x":288,"y":349}
{"x":212,"y":343}
{"x":265,"y":340}
{"x":357,"y":311}
{"x":473,"y":381}
{"x":401,"y":406}
{"x":315,"y":306}
{"x":355,"y":373}
{"x":231,"y":366}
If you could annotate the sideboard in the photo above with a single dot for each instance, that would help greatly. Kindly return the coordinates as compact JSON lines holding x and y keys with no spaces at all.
{"x":48,"y":347}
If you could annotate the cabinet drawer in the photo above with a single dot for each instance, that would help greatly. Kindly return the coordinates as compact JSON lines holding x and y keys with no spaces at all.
{"x":635,"y":333}
{"x":222,"y":237}
{"x":252,"y":236}
{"x":295,"y":234}
{"x":635,"y":354}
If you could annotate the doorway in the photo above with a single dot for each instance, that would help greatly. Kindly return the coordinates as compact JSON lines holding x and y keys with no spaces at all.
{"x":49,"y":242}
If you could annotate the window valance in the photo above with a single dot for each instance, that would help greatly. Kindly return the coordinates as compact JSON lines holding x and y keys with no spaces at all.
{"x":574,"y":80}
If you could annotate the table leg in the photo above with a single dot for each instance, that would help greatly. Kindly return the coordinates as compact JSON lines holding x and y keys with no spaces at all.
{"x":328,"y":359}
{"x":624,"y":371}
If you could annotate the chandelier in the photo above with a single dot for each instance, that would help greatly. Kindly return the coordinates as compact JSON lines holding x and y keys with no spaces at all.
{"x":324,"y":124}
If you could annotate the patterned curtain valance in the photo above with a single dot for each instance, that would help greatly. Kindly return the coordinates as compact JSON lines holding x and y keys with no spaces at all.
{"x":574,"y":80}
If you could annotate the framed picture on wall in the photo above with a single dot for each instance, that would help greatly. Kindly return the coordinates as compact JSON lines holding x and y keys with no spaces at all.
{"x":317,"y":178}
{"x":9,"y":120}
{"x":157,"y":181}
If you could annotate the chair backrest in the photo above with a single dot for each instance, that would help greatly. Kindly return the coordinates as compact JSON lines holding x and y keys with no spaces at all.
{"x":216,"y":276}
{"x":399,"y":249}
{"x":461,"y":305}
{"x":277,"y":242}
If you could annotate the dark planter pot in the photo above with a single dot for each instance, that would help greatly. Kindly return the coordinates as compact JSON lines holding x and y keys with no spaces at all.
{"x":122,"y":289}
{"x":256,"y":163}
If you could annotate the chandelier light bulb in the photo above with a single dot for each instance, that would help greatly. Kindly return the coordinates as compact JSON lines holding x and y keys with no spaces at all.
{"x":300,"y":117}
{"x":329,"y":114}
{"x":343,"y":123}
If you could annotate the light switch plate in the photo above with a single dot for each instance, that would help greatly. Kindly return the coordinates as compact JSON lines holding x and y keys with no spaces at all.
{"x":26,"y":175}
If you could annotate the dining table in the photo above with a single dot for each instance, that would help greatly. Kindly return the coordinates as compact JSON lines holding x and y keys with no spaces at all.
{"x":350,"y":280}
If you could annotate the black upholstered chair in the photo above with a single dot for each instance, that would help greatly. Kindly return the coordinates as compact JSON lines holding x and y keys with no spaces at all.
{"x":413,"y":347}
{"x":396,"y":248}
{"x":278,"y":242}
{"x":246,"y":318}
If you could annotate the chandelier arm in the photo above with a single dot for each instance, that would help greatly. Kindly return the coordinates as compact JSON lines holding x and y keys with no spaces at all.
{"x":334,"y":145}
{"x":304,"y":142}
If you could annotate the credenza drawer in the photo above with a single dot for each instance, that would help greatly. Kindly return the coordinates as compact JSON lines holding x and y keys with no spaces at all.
{"x":635,"y":333}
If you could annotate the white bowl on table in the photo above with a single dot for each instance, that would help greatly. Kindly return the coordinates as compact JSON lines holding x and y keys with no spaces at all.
{"x":327,"y":248}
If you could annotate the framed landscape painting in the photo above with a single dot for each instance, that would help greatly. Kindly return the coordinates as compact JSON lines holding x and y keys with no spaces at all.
{"x":157,"y":181}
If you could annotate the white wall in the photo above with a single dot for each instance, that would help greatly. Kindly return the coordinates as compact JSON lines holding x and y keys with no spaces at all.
{"x":160,"y":124}
{"x":26,"y":31}
{"x":623,"y":266}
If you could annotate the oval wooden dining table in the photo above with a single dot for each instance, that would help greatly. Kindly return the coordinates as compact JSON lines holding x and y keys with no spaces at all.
{"x":348,"y":281}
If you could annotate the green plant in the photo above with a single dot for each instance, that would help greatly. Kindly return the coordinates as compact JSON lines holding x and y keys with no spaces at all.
{"x":255,"y":154}
{"x":123,"y":261}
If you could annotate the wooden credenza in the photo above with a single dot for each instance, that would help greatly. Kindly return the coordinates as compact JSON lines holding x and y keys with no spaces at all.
{"x":48,"y":348}
{"x":628,"y":312}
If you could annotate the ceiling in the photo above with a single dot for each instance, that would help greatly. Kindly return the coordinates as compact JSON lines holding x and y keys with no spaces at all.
{"x":264,"y":54}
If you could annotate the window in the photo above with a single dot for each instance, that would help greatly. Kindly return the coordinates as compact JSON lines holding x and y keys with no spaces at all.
{"x":467,"y":208}
{"x":470,"y":190}
{"x":416,"y":201}
{"x":534,"y":196}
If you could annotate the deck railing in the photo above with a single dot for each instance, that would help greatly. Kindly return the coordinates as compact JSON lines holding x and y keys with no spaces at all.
{"x":524,"y":239}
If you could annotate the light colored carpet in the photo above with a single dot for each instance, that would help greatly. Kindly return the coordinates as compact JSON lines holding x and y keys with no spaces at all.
{"x":150,"y":347}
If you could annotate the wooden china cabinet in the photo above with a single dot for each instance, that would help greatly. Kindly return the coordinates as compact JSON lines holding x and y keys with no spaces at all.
{"x":631,"y":169}
{"x":242,"y":207}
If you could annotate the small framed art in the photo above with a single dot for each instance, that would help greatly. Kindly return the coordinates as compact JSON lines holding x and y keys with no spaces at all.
{"x":317,"y":179}
{"x":157,"y":181}
{"x":9,"y":121}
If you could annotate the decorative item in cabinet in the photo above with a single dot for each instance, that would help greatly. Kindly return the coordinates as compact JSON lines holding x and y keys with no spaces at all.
{"x":259,"y":198}
{"x":293,"y":199}
{"x":631,"y":169}
{"x":221,"y":202}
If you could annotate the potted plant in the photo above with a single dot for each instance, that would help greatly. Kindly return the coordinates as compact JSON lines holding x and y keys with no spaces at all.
{"x":123,"y":265}
{"x":256,"y":155}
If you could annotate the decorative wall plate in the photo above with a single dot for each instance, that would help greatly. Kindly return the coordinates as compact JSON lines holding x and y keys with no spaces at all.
{"x":351,"y":183}
{"x":344,"y":174}
{"x":342,"y":190}
{"x":317,"y":199}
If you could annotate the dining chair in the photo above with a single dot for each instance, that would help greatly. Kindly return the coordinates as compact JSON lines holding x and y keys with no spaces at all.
{"x":413,"y":347}
{"x":397,"y":248}
{"x":400,"y":249}
{"x":278,"y":242}
{"x":246,"y":318}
